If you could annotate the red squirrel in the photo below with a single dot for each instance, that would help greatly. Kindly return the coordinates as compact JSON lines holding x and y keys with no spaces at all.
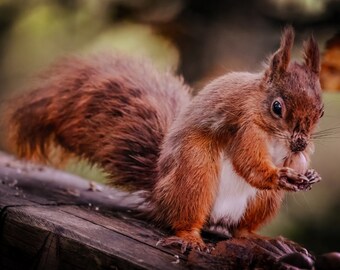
{"x":221,"y":159}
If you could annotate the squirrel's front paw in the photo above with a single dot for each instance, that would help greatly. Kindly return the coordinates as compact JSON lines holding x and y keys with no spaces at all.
{"x":313,"y":177}
{"x":291,"y":180}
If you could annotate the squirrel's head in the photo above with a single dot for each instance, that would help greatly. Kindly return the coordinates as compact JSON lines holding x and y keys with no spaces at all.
{"x":293,"y":104}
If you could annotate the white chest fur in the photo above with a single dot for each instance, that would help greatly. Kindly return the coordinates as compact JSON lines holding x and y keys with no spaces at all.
{"x":232,"y":197}
{"x":234,"y":192}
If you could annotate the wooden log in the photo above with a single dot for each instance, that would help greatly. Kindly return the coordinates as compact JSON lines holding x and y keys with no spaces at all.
{"x":50,"y":219}
{"x":53,"y":220}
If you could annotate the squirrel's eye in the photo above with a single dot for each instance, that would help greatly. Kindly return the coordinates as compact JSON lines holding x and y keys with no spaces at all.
{"x":277,"y":108}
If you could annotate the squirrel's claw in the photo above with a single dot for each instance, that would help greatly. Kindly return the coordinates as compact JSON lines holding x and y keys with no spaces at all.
{"x":286,"y":185}
{"x":291,"y":180}
{"x":185,"y":244}
{"x":313,"y":178}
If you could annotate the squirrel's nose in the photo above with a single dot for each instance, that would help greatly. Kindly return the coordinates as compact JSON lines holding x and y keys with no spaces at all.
{"x":298,"y":144}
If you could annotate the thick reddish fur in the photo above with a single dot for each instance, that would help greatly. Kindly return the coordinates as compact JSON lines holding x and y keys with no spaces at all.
{"x":111,"y":110}
{"x":236,"y":123}
{"x":143,"y":129}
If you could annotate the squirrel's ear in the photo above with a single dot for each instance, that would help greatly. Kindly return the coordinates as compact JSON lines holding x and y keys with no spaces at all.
{"x":312,"y":55}
{"x":280,"y":59}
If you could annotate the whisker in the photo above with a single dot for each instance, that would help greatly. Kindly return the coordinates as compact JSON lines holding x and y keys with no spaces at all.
{"x":278,"y":133}
{"x":329,"y":131}
{"x":321,"y":144}
{"x":325,"y":134}
{"x":334,"y":127}
{"x":326,"y":138}
{"x":281,"y":136}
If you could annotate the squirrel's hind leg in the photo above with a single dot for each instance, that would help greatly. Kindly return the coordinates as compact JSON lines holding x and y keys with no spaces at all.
{"x":259,"y":211}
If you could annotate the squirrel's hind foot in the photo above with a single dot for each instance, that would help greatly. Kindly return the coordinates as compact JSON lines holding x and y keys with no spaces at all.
{"x":185,"y":243}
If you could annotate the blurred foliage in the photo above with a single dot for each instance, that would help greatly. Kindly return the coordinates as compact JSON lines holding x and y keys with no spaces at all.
{"x":201,"y":38}
{"x":45,"y":31}
{"x":83,"y":169}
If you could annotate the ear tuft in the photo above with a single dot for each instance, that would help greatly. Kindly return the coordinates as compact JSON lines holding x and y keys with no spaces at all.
{"x":280,"y":59}
{"x":312,"y":55}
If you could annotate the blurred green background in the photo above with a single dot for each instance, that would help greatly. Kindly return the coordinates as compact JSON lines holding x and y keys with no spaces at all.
{"x":201,"y":40}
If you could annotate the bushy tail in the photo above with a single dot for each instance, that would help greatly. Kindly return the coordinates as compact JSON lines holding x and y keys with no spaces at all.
{"x":110,"y":110}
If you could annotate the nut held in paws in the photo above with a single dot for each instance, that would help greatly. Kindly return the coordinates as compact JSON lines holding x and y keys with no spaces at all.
{"x":298,"y":162}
